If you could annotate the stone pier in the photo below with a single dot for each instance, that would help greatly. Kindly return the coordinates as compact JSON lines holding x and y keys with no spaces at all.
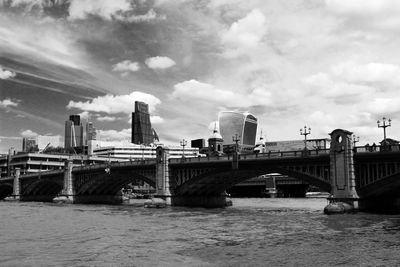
{"x":343,"y":194}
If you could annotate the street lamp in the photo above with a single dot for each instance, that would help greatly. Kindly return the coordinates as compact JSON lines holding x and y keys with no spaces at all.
{"x":305,"y":133}
{"x":236,"y":139}
{"x":384,"y":125}
{"x":183,"y":144}
{"x":355,"y":140}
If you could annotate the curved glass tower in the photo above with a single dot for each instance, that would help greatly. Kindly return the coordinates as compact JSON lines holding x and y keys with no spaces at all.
{"x":233,"y":123}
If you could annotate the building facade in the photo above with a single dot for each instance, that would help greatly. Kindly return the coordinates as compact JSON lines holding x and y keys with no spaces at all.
{"x":242,"y":126}
{"x":292,"y":145}
{"x":141,"y":152}
{"x":90,"y":132}
{"x":142,"y":132}
{"x":73,"y":132}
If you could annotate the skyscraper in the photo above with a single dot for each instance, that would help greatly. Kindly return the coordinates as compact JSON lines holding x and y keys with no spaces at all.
{"x":90,"y":132}
{"x":73,"y":132}
{"x":232,"y":123}
{"x":142,"y":132}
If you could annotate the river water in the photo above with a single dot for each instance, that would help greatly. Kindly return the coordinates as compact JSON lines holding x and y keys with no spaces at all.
{"x":253,"y":232}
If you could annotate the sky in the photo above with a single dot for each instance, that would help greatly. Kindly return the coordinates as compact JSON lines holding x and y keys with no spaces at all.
{"x":324,"y":64}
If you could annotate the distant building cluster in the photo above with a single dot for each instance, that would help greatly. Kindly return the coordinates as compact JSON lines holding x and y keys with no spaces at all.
{"x":234,"y":132}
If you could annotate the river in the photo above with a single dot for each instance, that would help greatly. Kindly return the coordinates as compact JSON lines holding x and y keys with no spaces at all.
{"x":253,"y":232}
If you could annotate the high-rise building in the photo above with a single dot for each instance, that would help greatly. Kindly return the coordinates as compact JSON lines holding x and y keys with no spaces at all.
{"x":29,"y":144}
{"x":90,"y":132}
{"x":73,"y":132}
{"x":142,"y":132}
{"x":40,"y":142}
{"x":234,"y":124}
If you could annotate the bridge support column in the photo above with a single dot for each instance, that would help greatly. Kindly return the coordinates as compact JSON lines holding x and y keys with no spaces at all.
{"x":17,"y":184}
{"x":163,"y":185}
{"x":343,"y":194}
{"x":68,"y":190}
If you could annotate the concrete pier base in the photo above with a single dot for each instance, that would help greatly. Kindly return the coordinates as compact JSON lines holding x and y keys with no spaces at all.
{"x":38,"y":198}
{"x":201,"y":201}
{"x":341,"y":205}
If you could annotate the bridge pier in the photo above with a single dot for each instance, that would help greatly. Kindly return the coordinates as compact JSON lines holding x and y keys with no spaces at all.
{"x":163,"y":183}
{"x":17,"y":184}
{"x":68,"y":190}
{"x":343,"y":194}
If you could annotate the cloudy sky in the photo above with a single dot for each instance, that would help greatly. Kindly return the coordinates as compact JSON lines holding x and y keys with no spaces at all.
{"x":325,"y":64}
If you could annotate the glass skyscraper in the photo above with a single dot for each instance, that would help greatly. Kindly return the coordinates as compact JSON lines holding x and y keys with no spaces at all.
{"x":73,"y":132}
{"x":142,"y":132}
{"x":232,"y":123}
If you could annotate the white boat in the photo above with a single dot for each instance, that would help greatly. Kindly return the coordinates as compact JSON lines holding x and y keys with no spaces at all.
{"x":317,"y":194}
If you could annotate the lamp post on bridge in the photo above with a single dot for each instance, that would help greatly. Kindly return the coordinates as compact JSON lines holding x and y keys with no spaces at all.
{"x":355,"y":140}
{"x":384,"y":125}
{"x":183,"y":144}
{"x":305,"y":133}
{"x":236,"y":139}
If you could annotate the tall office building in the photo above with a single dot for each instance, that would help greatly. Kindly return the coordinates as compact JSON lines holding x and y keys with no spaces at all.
{"x":142,"y":133}
{"x":90,"y":132}
{"x":73,"y":132}
{"x":242,"y":125}
{"x":29,"y":144}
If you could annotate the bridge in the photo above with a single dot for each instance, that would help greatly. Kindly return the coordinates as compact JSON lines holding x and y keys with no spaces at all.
{"x":364,"y":179}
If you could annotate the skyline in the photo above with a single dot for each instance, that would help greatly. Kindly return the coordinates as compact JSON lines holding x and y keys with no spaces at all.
{"x":325,"y":64}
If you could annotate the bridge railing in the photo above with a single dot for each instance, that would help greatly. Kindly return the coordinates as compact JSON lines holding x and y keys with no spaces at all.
{"x":116,"y":164}
{"x":276,"y":154}
{"x":380,"y":148}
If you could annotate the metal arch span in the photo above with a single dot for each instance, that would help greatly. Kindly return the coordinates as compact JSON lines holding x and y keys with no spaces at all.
{"x":42,"y":187}
{"x":101,"y":183}
{"x":215,"y":182}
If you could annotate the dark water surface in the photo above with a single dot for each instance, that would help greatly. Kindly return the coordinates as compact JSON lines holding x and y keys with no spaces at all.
{"x":254,"y":232}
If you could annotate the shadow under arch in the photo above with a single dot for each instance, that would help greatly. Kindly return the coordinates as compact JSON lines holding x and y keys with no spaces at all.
{"x":215,"y":183}
{"x":42,"y":190}
{"x":111,"y":184}
{"x":6,"y":190}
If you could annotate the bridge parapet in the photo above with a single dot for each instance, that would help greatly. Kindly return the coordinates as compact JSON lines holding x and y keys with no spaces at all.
{"x":280,"y":154}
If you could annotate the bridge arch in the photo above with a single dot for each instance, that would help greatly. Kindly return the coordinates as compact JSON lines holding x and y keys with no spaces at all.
{"x":109,"y":184}
{"x":6,"y":190}
{"x":217,"y":182}
{"x":43,"y":187}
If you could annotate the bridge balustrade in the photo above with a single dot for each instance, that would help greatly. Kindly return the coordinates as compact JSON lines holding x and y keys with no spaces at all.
{"x":380,"y":148}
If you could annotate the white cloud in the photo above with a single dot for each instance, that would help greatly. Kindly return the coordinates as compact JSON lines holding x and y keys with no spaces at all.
{"x":80,"y":9}
{"x":246,"y":33}
{"x":114,"y":135}
{"x":6,"y":74}
{"x":84,"y":115}
{"x":211,"y":94}
{"x":125,"y":66}
{"x":159,"y":62}
{"x":28,"y":133}
{"x":122,"y":10}
{"x":384,"y":105}
{"x":362,"y":7}
{"x":156,"y":119}
{"x":106,"y":118}
{"x":370,"y":72}
{"x":114,"y":104}
{"x":8,"y":103}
